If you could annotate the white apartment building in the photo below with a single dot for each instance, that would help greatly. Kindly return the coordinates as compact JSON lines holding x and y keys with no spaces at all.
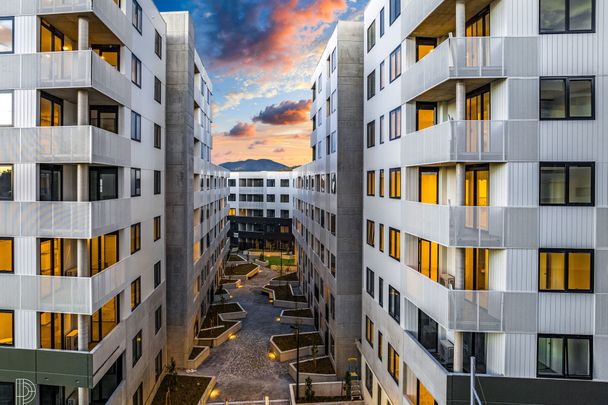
{"x":83,"y":135}
{"x":328,"y":200}
{"x":485,"y":206}
{"x":260,"y":210}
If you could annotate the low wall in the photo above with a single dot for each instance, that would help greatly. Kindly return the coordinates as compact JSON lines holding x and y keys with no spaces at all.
{"x":207,"y":393}
{"x":196,"y":362}
{"x":234,"y":316}
{"x":293,"y":320}
{"x":287,"y":355}
{"x":321,"y":389}
{"x":215,"y":342}
{"x":314,"y":377}
{"x":233,"y":284}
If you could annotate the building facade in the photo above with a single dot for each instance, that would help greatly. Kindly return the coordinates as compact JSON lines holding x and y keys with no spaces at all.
{"x":485,"y":202}
{"x":197,"y":192}
{"x":260,"y":210}
{"x":327,"y":197}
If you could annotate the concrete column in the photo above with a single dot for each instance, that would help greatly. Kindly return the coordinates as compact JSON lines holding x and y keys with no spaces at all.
{"x":82,"y":107}
{"x":83,"y":396}
{"x":458,"y":345}
{"x":461,"y":19}
{"x":82,"y":257}
{"x":83,"y":33}
{"x":460,"y":201}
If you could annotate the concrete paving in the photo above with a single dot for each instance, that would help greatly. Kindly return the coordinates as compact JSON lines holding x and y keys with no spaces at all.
{"x":242,"y":367}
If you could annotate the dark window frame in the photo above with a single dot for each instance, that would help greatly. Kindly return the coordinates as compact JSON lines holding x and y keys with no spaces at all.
{"x":565,"y":338}
{"x":158,"y":319}
{"x":370,"y":281}
{"x":158,"y":276}
{"x":424,"y":105}
{"x":371,"y":32}
{"x":136,"y":348}
{"x":567,"y":21}
{"x":424,"y":41}
{"x":157,"y":182}
{"x":12,"y":19}
{"x":158,"y":90}
{"x":157,"y":228}
{"x":12,"y":312}
{"x":566,"y":166}
{"x":371,"y":84}
{"x":158,"y":44}
{"x":394,"y":305}
{"x":566,"y":269}
{"x":381,"y":24}
{"x":391,"y":76}
{"x":137,"y":16}
{"x":135,"y":126}
{"x":138,"y":72}
{"x":157,"y":136}
{"x":135,"y":182}
{"x":395,"y":10}
{"x":567,"y":80}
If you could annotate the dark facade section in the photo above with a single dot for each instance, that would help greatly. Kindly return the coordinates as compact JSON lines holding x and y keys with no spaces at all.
{"x":260,"y":233}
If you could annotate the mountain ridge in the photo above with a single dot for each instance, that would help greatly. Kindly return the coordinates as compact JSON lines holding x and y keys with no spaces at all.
{"x":255,"y":165}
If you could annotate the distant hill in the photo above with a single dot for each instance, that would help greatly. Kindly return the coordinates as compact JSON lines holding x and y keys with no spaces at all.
{"x":253,"y":165}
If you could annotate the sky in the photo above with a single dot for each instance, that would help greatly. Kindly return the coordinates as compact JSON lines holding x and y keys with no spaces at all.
{"x":261,"y":55}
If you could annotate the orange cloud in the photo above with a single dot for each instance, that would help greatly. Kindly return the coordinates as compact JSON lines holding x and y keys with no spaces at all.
{"x":242,"y":129}
{"x":285,"y":113}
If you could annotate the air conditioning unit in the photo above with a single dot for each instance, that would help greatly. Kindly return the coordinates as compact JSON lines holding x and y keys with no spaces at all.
{"x":71,"y":342}
{"x":446,"y":351}
{"x":447,"y":280}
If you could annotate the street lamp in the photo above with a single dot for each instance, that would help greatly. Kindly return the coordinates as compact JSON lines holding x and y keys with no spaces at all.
{"x":296,"y":327}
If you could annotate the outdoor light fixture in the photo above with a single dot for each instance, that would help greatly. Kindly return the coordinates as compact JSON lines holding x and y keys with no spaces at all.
{"x":214,"y":394}
{"x":232,"y":337}
{"x":272,"y":356}
{"x":278,"y":318}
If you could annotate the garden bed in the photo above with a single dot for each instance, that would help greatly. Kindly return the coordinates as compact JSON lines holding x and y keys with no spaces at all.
{"x":283,"y":297}
{"x":289,"y":278}
{"x":227,"y":312}
{"x":323,"y":372}
{"x":285,"y":346}
{"x":217,"y":335}
{"x":242,"y":271}
{"x":189,"y":390}
{"x":325,"y":393}
{"x":197,"y":356}
{"x":236,"y":258}
{"x":230,"y":284}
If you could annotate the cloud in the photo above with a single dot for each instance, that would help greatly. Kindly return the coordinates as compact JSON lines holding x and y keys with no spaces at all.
{"x":255,"y":143}
{"x":285,"y":113}
{"x":279,"y":150}
{"x":242,"y":129}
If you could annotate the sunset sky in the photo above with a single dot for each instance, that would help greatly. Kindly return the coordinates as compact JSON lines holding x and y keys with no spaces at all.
{"x":260,"y":55}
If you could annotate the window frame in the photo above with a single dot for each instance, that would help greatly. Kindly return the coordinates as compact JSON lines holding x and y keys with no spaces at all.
{"x":158,"y":136}
{"x":158,"y":44}
{"x":567,"y":252}
{"x":567,"y":166}
{"x":12,"y":198}
{"x":381,"y":22}
{"x":12,"y":19}
{"x":12,"y":93}
{"x":567,"y":20}
{"x":370,"y":225}
{"x":393,"y":136}
{"x":395,"y":196}
{"x":136,"y":354}
{"x":135,"y":291}
{"x":371,"y":183}
{"x":158,"y":90}
{"x":567,"y":80}
{"x":135,"y":126}
{"x":394,"y":12}
{"x":135,"y":182}
{"x":369,"y":331}
{"x":137,"y":246}
{"x":371,"y":84}
{"x":392,"y":76}
{"x":158,"y":272}
{"x":138,"y":70}
{"x":565,"y":338}
{"x":392,"y":231}
{"x":371,"y":33}
{"x":370,"y":281}
{"x":157,"y":228}
{"x":393,"y":367}
{"x":394,"y":305}
{"x":137,"y":13}
{"x":370,"y":134}
{"x":157,"y":182}
{"x":12,"y":312}
{"x":158,"y":319}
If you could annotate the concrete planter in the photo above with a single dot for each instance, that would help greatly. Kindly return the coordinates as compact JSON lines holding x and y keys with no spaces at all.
{"x":233,"y":316}
{"x":288,"y":304}
{"x":198,"y":360}
{"x":275,"y":282}
{"x":322,"y":389}
{"x":293,"y":320}
{"x":232,"y":284}
{"x":207,"y":393}
{"x":316,"y":378}
{"x":244,"y":277}
{"x":261,"y":263}
{"x":287,"y":355}
{"x":215,"y":342}
{"x":217,"y":298}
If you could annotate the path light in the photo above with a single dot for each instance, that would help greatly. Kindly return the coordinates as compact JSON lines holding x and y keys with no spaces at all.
{"x":272,"y":356}
{"x":232,"y":337}
{"x":278,"y":319}
{"x":215,"y":393}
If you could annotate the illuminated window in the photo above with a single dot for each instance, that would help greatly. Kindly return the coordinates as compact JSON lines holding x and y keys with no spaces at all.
{"x":429,"y":185}
{"x":394,"y":242}
{"x":157,"y":228}
{"x":6,"y":255}
{"x":7,"y":328}
{"x":103,"y":252}
{"x":393,"y":363}
{"x":565,"y":270}
{"x":426,"y":115}
{"x":135,"y":293}
{"x":136,"y":348}
{"x":428,"y":259}
{"x":135,"y":237}
{"x":104,"y":320}
{"x":476,"y":269}
{"x":395,"y":183}
{"x":371,"y":186}
{"x":369,"y":331}
{"x":370,"y":232}
{"x":381,"y":237}
{"x":424,"y":46}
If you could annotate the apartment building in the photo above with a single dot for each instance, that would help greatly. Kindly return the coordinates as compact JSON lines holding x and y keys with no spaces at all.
{"x":328,"y":197}
{"x":197,"y":192}
{"x":485,"y":205}
{"x":260,"y":210}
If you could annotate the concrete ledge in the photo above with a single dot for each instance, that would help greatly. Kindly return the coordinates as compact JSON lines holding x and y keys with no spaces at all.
{"x":313,"y":376}
{"x":291,"y":354}
{"x":243,"y":277}
{"x":207,"y":393}
{"x":293,"y":320}
{"x":233,"y":316}
{"x":261,"y":263}
{"x":198,"y":360}
{"x":221,"y":339}
{"x":232,"y":284}
{"x":322,"y":389}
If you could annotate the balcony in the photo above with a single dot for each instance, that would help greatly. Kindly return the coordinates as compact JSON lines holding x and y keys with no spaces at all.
{"x":461,"y":226}
{"x":63,"y":145}
{"x":472,"y":141}
{"x":472,"y":311}
{"x":60,"y":70}
{"x":479,"y":60}
{"x":64,"y":219}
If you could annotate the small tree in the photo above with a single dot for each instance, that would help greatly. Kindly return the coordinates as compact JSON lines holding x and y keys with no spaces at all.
{"x":309,"y":394}
{"x":347,"y":385}
{"x":261,"y":257}
{"x":314,"y":350}
{"x":171,"y":380}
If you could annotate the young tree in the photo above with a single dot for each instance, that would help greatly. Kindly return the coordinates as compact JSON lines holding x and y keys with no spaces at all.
{"x":171,"y":380}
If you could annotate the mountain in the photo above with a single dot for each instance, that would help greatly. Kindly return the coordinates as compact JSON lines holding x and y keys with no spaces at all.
{"x":253,"y":165}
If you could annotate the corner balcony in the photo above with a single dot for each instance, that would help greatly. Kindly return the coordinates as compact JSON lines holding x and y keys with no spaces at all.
{"x":472,"y":311}
{"x":462,"y":226}
{"x":478,"y":60}
{"x":64,"y":145}
{"x":64,"y":70}
{"x":64,"y":219}
{"x":472,"y":141}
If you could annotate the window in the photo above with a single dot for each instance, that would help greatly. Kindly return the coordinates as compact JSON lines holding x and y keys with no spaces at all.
{"x":428,"y":259}
{"x":6,"y":182}
{"x":371,"y":186}
{"x":428,"y":185}
{"x":270,"y":182}
{"x":564,"y":356}
{"x":284,"y":182}
{"x":103,"y":253}
{"x":560,"y":16}
{"x":369,"y":331}
{"x":394,"y":131}
{"x":103,"y":183}
{"x":371,"y":84}
{"x":270,"y":197}
{"x":394,"y":303}
{"x":371,"y":134}
{"x":135,"y":237}
{"x":158,"y":90}
{"x":50,"y":183}
{"x":381,"y":22}
{"x":567,"y":184}
{"x":157,"y":136}
{"x":395,"y":64}
{"x":424,"y":46}
{"x":393,"y":361}
{"x":157,"y":274}
{"x":104,"y":117}
{"x":6,"y":255}
{"x":369,"y":378}
{"x":369,"y":281}
{"x":394,"y":183}
{"x":135,"y":70}
{"x":137,"y":17}
{"x":381,"y":237}
{"x":394,"y":243}
{"x":426,"y":115}
{"x":7,"y":328}
{"x":51,"y":110}
{"x":157,"y":228}
{"x":381,"y":76}
{"x":371,"y":36}
{"x":135,"y":182}
{"x":370,"y":232}
{"x":158,"y":45}
{"x":284,"y":198}
{"x":381,"y":130}
{"x":157,"y":182}
{"x":136,"y":348}
{"x":158,"y":319}
{"x":135,"y":126}
{"x":158,"y":365}
{"x":334,"y":59}
{"x":6,"y":108}
{"x":395,"y":10}
{"x":7,"y":35}
{"x":567,"y":98}
{"x":380,"y":338}
{"x":565,"y":270}
{"x":135,"y":293}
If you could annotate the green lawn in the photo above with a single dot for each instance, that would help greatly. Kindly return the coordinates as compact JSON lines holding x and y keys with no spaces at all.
{"x":276,"y":260}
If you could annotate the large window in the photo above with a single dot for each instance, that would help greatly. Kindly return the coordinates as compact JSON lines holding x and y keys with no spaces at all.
{"x":428,"y":183}
{"x":371,"y":35}
{"x":135,"y":126}
{"x":103,"y":252}
{"x":7,"y":35}
{"x":560,"y":16}
{"x":51,"y":110}
{"x":369,"y":281}
{"x":103,"y":183}
{"x":370,"y":232}
{"x":567,"y":184}
{"x":371,"y":134}
{"x":58,"y":331}
{"x":136,"y":348}
{"x":371,"y":84}
{"x":109,"y":53}
{"x":394,"y":243}
{"x":6,"y":255}
{"x":428,"y":259}
{"x":6,"y":182}
{"x":137,"y":16}
{"x":135,"y":182}
{"x":158,"y":45}
{"x":50,"y":182}
{"x":135,"y":70}
{"x":157,"y":90}
{"x":6,"y":108}
{"x":565,"y":270}
{"x":395,"y":64}
{"x":393,"y":363}
{"x":371,"y":186}
{"x":104,"y":117}
{"x":395,"y":183}
{"x":369,"y":331}
{"x":567,"y":98}
{"x":564,"y":356}
{"x":394,"y":131}
{"x":157,"y":136}
{"x":394,"y":303}
{"x":104,"y":320}
{"x":426,"y":115}
{"x":135,"y":237}
{"x":7,"y":328}
{"x":52,"y":257}
{"x":395,"y":10}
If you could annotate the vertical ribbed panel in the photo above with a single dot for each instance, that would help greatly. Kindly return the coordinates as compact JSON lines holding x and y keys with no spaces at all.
{"x":523,"y":184}
{"x":25,"y":256}
{"x":26,"y":330}
{"x":498,"y":269}
{"x":26,"y":33}
{"x":498,"y":185}
{"x":522,"y":270}
{"x":567,"y":227}
{"x":520,"y":355}
{"x":25,"y":182}
{"x":25,"y":108}
{"x":495,"y":352}
{"x":563,"y":313}
{"x":523,"y":98}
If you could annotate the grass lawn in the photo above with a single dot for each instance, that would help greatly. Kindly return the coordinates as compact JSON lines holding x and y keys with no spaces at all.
{"x":188,"y":390}
{"x":289,"y":342}
{"x":276,"y":261}
{"x":240,"y":270}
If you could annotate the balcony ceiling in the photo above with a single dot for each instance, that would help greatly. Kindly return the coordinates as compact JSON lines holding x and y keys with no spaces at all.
{"x":71,"y":95}
{"x":447,"y":90}
{"x":442,"y":20}
{"x":99,"y":33}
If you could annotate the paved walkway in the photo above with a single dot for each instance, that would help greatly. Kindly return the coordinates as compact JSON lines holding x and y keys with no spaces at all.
{"x":242,"y":367}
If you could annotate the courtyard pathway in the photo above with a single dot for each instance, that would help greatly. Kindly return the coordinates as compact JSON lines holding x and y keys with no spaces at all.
{"x":242,"y":367}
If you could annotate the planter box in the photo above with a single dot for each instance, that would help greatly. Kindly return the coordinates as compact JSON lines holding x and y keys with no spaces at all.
{"x":207,"y":393}
{"x":217,"y":299}
{"x":287,"y":355}
{"x":293,"y":320}
{"x":232,"y":284}
{"x":218,"y":341}
{"x":275,"y":282}
{"x":322,"y":389}
{"x":234,"y":316}
{"x":198,"y":360}
{"x":243,"y":277}
{"x":261,"y":263}
{"x":314,"y":377}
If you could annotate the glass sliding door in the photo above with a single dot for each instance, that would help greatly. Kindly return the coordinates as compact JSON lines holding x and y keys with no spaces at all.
{"x":426,"y":115}
{"x":103,"y":183}
{"x":51,"y":183}
{"x":51,"y":111}
{"x":478,"y":108}
{"x":104,"y":117}
{"x":477,"y":193}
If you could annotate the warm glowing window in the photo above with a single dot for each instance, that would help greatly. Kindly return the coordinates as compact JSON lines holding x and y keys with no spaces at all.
{"x":157,"y":228}
{"x":381,"y":183}
{"x":135,"y":293}
{"x":58,"y":331}
{"x":7,"y":326}
{"x":371,"y":183}
{"x":369,"y":331}
{"x":424,"y":46}
{"x":393,"y":363}
{"x":381,"y":237}
{"x":429,"y":186}
{"x":566,"y":270}
{"x":6,"y":255}
{"x":395,"y":183}
{"x":428,"y":259}
{"x":104,"y":320}
{"x":51,"y":257}
{"x":426,"y":115}
{"x":476,"y":269}
{"x":394,"y":242}
{"x":135,"y":237}
{"x":370,"y":232}
{"x":51,"y":39}
{"x":103,"y":252}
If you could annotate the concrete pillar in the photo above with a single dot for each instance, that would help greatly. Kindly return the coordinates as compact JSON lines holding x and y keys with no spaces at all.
{"x":83,"y":396}
{"x":461,"y":18}
{"x":82,"y":107}
{"x":458,"y":345}
{"x":460,"y":201}
{"x":83,"y":33}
